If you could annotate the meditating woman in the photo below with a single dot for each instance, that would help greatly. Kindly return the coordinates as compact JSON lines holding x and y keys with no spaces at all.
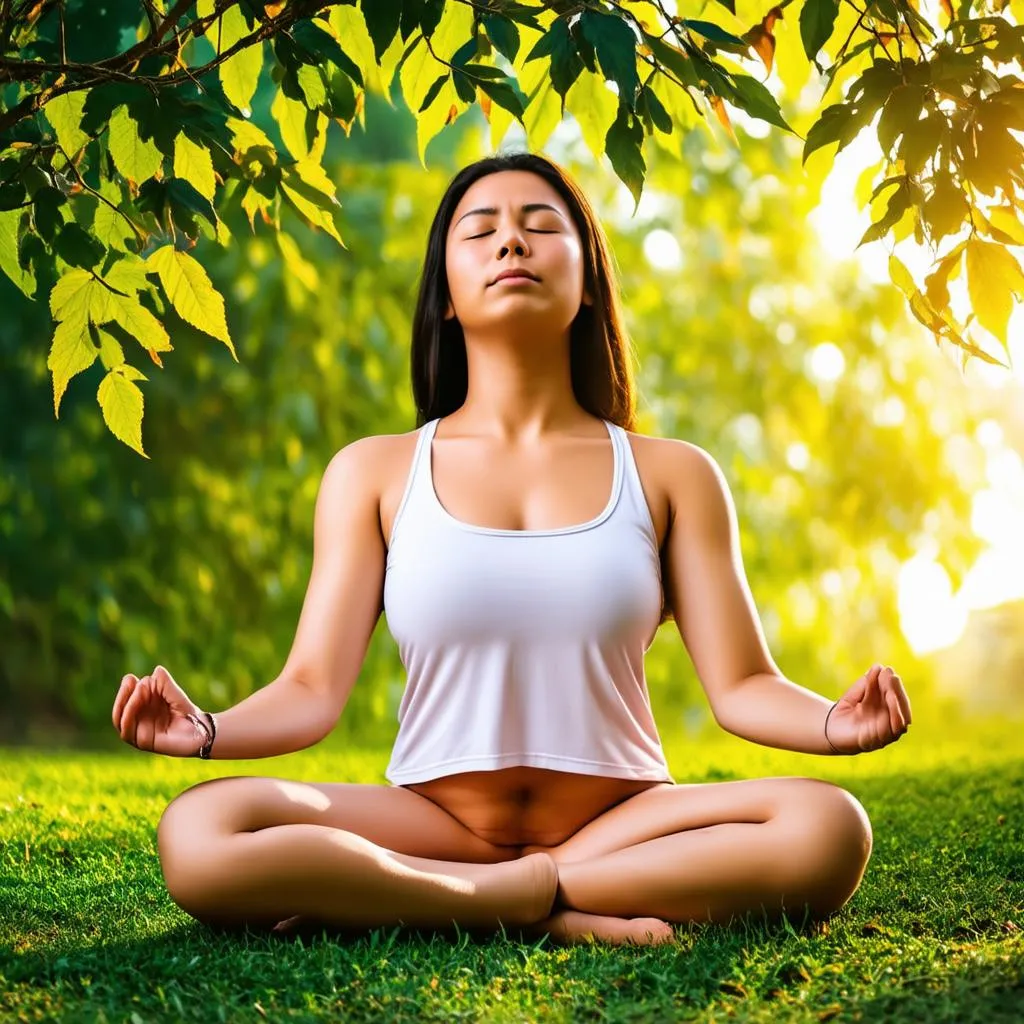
{"x":525,"y":544}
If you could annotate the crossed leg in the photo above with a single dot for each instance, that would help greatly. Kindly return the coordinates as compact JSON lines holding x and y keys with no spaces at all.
{"x":788,"y":846}
{"x":254,"y":851}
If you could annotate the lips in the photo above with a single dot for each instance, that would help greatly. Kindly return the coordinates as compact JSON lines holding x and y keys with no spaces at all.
{"x":515,"y":272}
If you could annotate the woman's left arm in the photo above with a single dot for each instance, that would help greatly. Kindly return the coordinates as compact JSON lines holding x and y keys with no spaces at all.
{"x":771,"y":710}
{"x":717,"y":619}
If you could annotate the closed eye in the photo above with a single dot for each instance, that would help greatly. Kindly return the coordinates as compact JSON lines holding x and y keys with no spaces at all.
{"x":536,"y":231}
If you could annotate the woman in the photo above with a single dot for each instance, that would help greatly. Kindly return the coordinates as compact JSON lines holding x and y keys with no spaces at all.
{"x":524,"y":563}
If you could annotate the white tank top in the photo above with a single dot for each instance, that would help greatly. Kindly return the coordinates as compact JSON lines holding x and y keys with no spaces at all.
{"x":524,"y":647}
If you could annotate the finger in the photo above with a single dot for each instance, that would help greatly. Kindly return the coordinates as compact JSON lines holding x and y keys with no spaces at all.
{"x":903,"y":699}
{"x":895,"y":715}
{"x":131,"y":712}
{"x":128,"y":684}
{"x":871,"y":686}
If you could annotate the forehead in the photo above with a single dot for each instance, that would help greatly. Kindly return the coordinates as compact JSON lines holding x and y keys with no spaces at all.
{"x":504,"y":188}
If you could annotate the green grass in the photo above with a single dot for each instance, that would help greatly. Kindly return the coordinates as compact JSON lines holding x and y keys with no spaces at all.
{"x":934,"y":933}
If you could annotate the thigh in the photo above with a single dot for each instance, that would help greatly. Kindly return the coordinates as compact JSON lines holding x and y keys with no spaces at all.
{"x":662,"y":810}
{"x":390,"y":816}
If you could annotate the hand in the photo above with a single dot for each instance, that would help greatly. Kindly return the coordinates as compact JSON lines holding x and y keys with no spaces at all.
{"x":149,"y":713}
{"x":873,"y":713}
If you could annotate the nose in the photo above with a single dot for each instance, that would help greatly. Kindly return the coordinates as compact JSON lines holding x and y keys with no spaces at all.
{"x":517,"y":246}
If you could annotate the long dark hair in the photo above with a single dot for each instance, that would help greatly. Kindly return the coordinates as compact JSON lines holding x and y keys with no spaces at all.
{"x":600,"y":351}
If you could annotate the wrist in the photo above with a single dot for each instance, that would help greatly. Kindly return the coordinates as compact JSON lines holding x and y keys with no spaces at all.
{"x":835,"y":750}
{"x":205,"y":733}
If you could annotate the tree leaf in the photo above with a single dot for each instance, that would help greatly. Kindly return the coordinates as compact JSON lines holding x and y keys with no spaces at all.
{"x":240,"y":73}
{"x":382,"y":20}
{"x":623,"y":146}
{"x":615,"y":44}
{"x":193,"y":163}
{"x":136,"y":158}
{"x":77,"y":247}
{"x":10,"y":230}
{"x":71,"y":352}
{"x":817,"y":20}
{"x":121,"y":402}
{"x":191,"y":292}
{"x":994,"y":279}
{"x":65,"y":115}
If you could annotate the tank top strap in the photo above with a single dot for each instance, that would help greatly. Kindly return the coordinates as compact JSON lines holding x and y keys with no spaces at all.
{"x":415,"y":498}
{"x":632,"y":501}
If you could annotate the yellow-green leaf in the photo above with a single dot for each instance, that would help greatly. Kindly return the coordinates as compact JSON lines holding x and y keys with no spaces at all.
{"x":109,"y":225}
{"x":121,"y":402}
{"x":1006,"y":220}
{"x":291,"y":117}
{"x":245,"y":136}
{"x":240,"y":73}
{"x":994,"y":277}
{"x":191,"y":292}
{"x":254,"y":202}
{"x":65,"y":115}
{"x":901,"y":275}
{"x":421,"y":69}
{"x":79,"y":297}
{"x":140,"y":324}
{"x":71,"y":352}
{"x":193,"y":163}
{"x":9,"y":221}
{"x":136,"y":158}
{"x":594,"y":106}
{"x":430,"y":122}
{"x":316,"y":208}
{"x":128,"y":274}
{"x":111,"y":353}
{"x":348,"y":24}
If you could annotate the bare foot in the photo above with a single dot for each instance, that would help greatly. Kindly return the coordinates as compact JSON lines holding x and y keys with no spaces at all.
{"x":573,"y":927}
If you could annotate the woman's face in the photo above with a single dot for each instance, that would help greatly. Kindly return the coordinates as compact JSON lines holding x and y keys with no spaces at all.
{"x":541,"y":238}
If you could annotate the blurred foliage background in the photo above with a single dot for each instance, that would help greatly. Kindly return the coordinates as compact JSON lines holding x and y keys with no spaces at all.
{"x":851,"y":444}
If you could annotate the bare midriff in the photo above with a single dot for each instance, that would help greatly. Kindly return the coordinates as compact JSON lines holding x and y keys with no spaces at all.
{"x":525,"y":805}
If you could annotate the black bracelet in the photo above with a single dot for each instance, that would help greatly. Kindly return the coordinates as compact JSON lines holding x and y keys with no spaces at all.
{"x":206,"y":749}
{"x":827,"y":740}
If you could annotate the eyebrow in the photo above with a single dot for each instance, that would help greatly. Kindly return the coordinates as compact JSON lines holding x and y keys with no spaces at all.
{"x":525,"y":208}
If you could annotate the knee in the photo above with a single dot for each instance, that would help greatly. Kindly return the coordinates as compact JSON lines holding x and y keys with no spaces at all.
{"x":182,"y":834}
{"x":836,"y":832}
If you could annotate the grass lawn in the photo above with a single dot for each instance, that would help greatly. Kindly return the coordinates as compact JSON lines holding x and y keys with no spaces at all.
{"x":935,"y":932}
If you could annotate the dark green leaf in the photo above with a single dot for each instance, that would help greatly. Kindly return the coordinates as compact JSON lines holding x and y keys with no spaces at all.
{"x":623,"y":145}
{"x":755,"y":98}
{"x":432,"y":92}
{"x":710,"y":30}
{"x":506,"y":94}
{"x":382,"y":20}
{"x":46,"y":206}
{"x":318,"y":44}
{"x":503,"y":34}
{"x":431,"y":16}
{"x":615,"y":44}
{"x":76,"y":246}
{"x":817,"y":20}
{"x":655,"y":110}
{"x":464,"y":87}
{"x":828,"y":128}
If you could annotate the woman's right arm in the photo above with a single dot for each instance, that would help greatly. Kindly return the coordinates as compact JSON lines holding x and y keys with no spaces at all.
{"x":339,"y":612}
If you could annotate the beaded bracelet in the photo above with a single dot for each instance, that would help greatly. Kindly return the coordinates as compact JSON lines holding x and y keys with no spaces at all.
{"x":827,"y":740}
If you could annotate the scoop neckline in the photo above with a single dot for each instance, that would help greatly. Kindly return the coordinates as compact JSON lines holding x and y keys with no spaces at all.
{"x":557,"y":531}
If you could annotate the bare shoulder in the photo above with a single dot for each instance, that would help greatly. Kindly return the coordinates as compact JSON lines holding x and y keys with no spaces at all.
{"x":377,"y":465}
{"x":679,"y":466}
